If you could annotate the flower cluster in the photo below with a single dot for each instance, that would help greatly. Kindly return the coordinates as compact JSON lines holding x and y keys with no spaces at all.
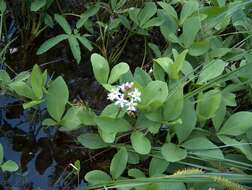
{"x":126,"y":96}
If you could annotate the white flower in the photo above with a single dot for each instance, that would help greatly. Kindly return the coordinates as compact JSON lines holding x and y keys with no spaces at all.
{"x":128,"y":85}
{"x":121,"y":101}
{"x":126,"y":96}
{"x":114,"y":95}
{"x":131,"y":106}
{"x":136,"y":95}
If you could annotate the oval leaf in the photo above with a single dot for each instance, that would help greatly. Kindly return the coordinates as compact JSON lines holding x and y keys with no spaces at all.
{"x":238,"y":124}
{"x":9,"y":166}
{"x":100,"y":68}
{"x":97,"y":177}
{"x":56,"y":98}
{"x":172,"y":153}
{"x":119,"y":163}
{"x":92,"y":141}
{"x":117,"y":71}
{"x":140,"y":143}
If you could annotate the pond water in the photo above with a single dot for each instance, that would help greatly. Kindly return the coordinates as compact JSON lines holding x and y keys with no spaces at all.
{"x":42,"y":154}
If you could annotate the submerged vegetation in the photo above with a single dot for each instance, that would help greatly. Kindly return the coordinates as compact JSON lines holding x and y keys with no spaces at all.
{"x":171,"y":109}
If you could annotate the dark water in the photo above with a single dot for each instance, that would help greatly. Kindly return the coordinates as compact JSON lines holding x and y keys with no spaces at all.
{"x":43,"y":155}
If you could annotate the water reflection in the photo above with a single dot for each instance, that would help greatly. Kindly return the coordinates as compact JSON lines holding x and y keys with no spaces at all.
{"x":43,"y":155}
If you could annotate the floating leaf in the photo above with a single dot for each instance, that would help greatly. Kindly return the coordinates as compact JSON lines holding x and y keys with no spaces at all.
{"x":92,"y":141}
{"x":9,"y":166}
{"x":37,"y":82}
{"x":56,"y":98}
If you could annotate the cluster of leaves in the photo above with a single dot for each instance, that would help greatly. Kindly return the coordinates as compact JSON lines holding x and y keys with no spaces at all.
{"x":189,"y":114}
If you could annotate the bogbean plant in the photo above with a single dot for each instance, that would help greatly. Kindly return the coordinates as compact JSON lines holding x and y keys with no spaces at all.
{"x":164,"y":123}
{"x":177,"y":126}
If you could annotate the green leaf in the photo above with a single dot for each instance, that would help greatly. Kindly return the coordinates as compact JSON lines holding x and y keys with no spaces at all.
{"x":203,"y":147}
{"x":157,"y":166}
{"x":48,"y":44}
{"x":221,"y":3}
{"x":117,"y":71}
{"x":9,"y":166}
{"x":219,"y":116}
{"x":97,"y":177}
{"x":144,"y":123}
{"x":4,"y":78}
{"x":22,"y":89}
{"x":87,"y":117}
{"x":133,"y":158}
{"x":1,"y":154}
{"x":37,"y":82}
{"x":172,"y":152}
{"x":136,"y":173}
{"x":31,"y":103}
{"x":113,"y":111}
{"x":119,"y":163}
{"x":88,"y":13}
{"x":48,"y":20}
{"x":140,"y":143}
{"x":154,"y":95}
{"x":173,"y":106}
{"x":199,"y":48}
{"x":172,"y":186}
{"x":141,"y":77}
{"x":237,"y":124}
{"x":63,"y":23}
{"x":211,"y":70}
{"x":100,"y":68}
{"x":75,"y":48}
{"x":56,"y":98}
{"x":242,"y":145}
{"x":147,"y":12}
{"x":208,"y":104}
{"x":219,"y":52}
{"x":177,"y":65}
{"x":188,"y":9}
{"x":71,"y":120}
{"x":157,"y":21}
{"x":189,"y":119}
{"x":37,"y":5}
{"x":190,"y":29}
{"x":168,"y":9}
{"x":85,"y":42}
{"x":108,"y":137}
{"x":165,"y":63}
{"x":2,"y":6}
{"x":92,"y":141}
{"x":112,"y":125}
{"x":49,"y":122}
